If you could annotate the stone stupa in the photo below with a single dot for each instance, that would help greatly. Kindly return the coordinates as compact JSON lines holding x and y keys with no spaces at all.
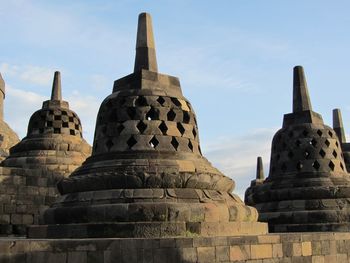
{"x":8,"y":137}
{"x":308,"y":187}
{"x":147,"y":176}
{"x":339,"y":129}
{"x":54,"y":141}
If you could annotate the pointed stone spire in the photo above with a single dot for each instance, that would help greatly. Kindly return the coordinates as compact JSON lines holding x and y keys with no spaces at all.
{"x":338,"y":125}
{"x":301,"y":98}
{"x":145,"y":48}
{"x":56,"y":93}
{"x":2,"y":97}
{"x":259,"y":169}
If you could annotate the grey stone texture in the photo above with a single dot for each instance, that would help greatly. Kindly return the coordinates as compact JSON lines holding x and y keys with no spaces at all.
{"x":146,"y":176}
{"x":308,"y":187}
{"x":339,"y":129}
{"x":52,"y":149}
{"x":268,"y":248}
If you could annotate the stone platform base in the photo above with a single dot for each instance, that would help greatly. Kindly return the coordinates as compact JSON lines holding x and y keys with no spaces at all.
{"x":286,"y":248}
{"x":148,"y":229}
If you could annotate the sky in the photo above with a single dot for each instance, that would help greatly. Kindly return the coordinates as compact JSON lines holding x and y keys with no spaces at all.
{"x":234,"y":59}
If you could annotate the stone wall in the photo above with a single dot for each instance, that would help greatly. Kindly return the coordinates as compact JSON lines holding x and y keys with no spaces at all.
{"x":286,"y":248}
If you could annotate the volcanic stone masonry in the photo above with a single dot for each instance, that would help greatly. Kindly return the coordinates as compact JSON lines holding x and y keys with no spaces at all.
{"x":52,"y":149}
{"x":147,"y":176}
{"x":308,"y":187}
{"x":339,"y":129}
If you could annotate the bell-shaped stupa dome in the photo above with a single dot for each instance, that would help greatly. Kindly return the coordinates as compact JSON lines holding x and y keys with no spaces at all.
{"x":147,"y":176}
{"x":54,"y":141}
{"x":308,"y":185}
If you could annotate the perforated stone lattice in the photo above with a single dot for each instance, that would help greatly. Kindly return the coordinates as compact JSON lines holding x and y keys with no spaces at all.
{"x":146,"y":122}
{"x":305,"y":149}
{"x":57,"y":121}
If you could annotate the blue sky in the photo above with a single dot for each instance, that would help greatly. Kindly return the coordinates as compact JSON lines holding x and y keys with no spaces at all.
{"x":234,"y":60}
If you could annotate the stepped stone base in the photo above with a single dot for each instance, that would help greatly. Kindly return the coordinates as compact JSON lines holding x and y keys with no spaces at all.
{"x":286,"y":247}
{"x":147,"y":229}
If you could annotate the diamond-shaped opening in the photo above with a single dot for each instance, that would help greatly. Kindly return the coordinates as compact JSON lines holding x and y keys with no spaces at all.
{"x":316,"y":165}
{"x":141,"y":126}
{"x":186,"y":117}
{"x":181,"y":128}
{"x":331,"y":165}
{"x":131,"y":112}
{"x":58,"y":117}
{"x":290,"y":134}
{"x":327,"y":142}
{"x":305,"y":133}
{"x":313,"y":142}
{"x":194,"y":132}
{"x":330,"y":133}
{"x":76,"y":126}
{"x":65,"y":124}
{"x":141,"y":101}
{"x":154,"y":142}
{"x":163,"y":128}
{"x":72,"y":132}
{"x":120,"y":128}
{"x":109,"y":144}
{"x":283,"y":167}
{"x":335,"y":153}
{"x":152,"y":114}
{"x":299,"y":166}
{"x":190,"y":145}
{"x":174,"y":143}
{"x":319,"y":132}
{"x":336,"y":144}
{"x":70,"y":119}
{"x":171,"y":115}
{"x":64,"y":113}
{"x":290,"y":154}
{"x":57,"y":130}
{"x":131,"y":142}
{"x":176,"y":102}
{"x":50,"y":112}
{"x":322,"y":153}
{"x":306,"y":154}
{"x":342,"y":166}
{"x":297,"y":143}
{"x":49,"y":124}
{"x":161,"y":100}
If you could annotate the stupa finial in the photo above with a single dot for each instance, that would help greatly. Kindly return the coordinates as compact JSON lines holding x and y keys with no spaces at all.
{"x":338,"y":125}
{"x":301,"y":98}
{"x":56,"y":93}
{"x":259,"y":169}
{"x":145,"y":48}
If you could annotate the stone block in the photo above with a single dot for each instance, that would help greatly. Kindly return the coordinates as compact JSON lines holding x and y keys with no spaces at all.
{"x":306,"y":249}
{"x":222,"y":253}
{"x":206,"y":254}
{"x":319,"y":259}
{"x":261,"y":251}
{"x":277,"y":251}
{"x":269,"y":239}
{"x":77,"y":257}
{"x":189,"y":255}
{"x":240,"y":252}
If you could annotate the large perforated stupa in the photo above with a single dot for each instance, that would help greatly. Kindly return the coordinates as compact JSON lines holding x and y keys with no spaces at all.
{"x":147,"y":176}
{"x":308,"y":187}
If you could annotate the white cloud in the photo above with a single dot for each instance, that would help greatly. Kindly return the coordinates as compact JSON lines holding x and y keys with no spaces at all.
{"x":32,"y":74}
{"x":236,"y":156}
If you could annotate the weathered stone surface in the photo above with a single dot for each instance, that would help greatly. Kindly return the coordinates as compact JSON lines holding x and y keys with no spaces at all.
{"x":147,"y":176}
{"x":308,"y":187}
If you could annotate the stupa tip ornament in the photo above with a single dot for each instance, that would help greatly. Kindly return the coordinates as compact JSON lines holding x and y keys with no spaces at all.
{"x":308,"y":179}
{"x":339,"y":129}
{"x":8,"y":137}
{"x":54,"y":139}
{"x":146,"y":176}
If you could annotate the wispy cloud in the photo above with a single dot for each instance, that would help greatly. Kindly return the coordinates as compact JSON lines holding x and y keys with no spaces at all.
{"x":37,"y":75}
{"x":236,"y":156}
